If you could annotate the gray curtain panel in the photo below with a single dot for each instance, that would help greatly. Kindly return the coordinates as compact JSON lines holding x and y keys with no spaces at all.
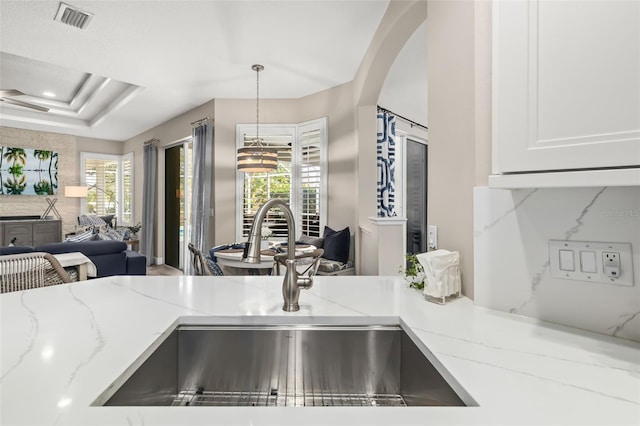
{"x":201,"y":187}
{"x":150,"y":161}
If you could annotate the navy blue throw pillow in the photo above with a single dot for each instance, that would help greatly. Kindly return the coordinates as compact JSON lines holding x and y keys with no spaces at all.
{"x":336,"y":244}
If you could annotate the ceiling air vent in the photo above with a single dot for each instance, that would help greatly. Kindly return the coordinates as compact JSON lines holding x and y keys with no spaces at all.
{"x":73,"y":16}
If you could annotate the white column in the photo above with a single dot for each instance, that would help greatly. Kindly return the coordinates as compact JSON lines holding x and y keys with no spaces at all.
{"x":391,"y":244}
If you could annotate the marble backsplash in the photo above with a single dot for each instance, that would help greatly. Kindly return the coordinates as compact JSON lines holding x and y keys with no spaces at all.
{"x":511,"y":257}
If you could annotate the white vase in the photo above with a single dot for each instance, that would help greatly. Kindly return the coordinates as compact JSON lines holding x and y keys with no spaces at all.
{"x":264,"y":244}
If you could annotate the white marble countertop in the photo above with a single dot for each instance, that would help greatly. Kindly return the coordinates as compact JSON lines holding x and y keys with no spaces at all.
{"x":63,"y":346}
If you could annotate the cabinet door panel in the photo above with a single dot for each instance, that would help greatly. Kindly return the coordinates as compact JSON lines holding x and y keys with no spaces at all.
{"x":46,"y":232}
{"x":18,"y":234}
{"x":566,"y":85}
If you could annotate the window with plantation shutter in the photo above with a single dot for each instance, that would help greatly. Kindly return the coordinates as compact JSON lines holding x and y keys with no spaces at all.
{"x":101,"y":175}
{"x":300,"y":179}
{"x":110,"y":182}
{"x":311,"y":181}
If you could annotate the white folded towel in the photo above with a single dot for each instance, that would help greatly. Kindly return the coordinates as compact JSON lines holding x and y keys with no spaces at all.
{"x":442,"y":272}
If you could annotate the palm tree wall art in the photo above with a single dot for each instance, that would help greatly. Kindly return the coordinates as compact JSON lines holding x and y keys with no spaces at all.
{"x":28,"y":171}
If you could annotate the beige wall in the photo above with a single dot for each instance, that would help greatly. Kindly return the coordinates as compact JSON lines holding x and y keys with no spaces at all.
{"x":459,"y":121}
{"x":337,"y":105}
{"x":98,"y":145}
{"x":483,"y":89}
{"x":68,"y":148}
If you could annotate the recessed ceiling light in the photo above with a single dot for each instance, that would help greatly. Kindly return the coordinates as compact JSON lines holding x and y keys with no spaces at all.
{"x":49,"y":94}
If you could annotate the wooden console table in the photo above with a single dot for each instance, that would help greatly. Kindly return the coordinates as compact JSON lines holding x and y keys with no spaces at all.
{"x":30,"y":232}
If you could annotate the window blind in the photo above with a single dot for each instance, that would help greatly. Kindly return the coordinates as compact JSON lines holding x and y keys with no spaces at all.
{"x":110,"y":182}
{"x":127,"y":190}
{"x":101,"y":177}
{"x":310,"y":183}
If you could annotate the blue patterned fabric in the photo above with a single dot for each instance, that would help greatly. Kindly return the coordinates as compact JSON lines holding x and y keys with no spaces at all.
{"x":213,"y":250}
{"x":111,"y":234}
{"x":213,"y":266}
{"x":84,"y":236}
{"x":386,"y":162}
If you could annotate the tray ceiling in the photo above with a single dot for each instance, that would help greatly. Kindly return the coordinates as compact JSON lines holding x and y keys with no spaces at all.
{"x":139,"y":64}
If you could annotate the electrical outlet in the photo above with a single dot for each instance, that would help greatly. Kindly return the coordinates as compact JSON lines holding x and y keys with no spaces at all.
{"x":611,"y":264}
{"x":589,"y":261}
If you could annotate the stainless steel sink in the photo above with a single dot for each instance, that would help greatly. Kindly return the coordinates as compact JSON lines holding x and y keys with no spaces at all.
{"x":304,"y":365}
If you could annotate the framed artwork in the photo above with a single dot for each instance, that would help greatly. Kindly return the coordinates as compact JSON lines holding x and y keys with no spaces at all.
{"x":26,"y":171}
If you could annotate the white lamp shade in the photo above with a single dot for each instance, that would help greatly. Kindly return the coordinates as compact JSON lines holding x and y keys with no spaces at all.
{"x":76,"y":191}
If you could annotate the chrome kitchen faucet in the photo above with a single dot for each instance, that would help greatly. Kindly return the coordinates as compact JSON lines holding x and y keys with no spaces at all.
{"x":293,"y":282}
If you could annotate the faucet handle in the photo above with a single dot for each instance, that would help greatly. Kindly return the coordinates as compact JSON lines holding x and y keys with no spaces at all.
{"x":310,"y":271}
{"x":315,"y":263}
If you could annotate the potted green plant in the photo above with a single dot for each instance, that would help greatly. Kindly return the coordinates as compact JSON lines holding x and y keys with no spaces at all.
{"x":414,"y":272}
{"x":134,"y":229}
{"x":265,"y":232}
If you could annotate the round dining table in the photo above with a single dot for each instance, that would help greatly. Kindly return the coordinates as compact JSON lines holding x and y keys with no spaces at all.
{"x":233,"y":257}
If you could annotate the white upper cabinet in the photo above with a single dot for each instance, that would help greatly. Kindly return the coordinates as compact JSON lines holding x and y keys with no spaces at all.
{"x":566,"y":86}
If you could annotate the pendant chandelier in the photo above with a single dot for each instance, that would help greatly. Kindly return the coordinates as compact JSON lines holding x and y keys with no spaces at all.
{"x":257,"y":158}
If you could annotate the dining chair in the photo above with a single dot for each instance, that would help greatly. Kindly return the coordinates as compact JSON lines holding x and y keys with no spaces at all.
{"x":201,"y":264}
{"x":31,"y":270}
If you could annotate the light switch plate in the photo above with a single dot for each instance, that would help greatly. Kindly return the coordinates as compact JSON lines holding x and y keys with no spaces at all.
{"x":567,"y":260}
{"x":433,"y":237}
{"x":586,"y":259}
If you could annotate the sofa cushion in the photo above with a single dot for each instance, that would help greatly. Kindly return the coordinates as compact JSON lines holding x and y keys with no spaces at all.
{"x":91,"y":220}
{"x":136,"y":263}
{"x":107,"y":233}
{"x":336,"y":244}
{"x":83,"y":236}
{"x":108,"y":219}
{"x":329,"y":266}
{"x":314,"y":241}
{"x":110,"y":264}
{"x":16,"y":250}
{"x":88,"y":248}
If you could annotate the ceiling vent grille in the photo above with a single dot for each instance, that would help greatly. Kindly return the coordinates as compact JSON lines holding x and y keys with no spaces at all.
{"x":73,"y":16}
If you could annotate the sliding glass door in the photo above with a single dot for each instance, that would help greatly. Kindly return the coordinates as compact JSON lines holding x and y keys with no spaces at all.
{"x":416,"y":196}
{"x":177,"y":200}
